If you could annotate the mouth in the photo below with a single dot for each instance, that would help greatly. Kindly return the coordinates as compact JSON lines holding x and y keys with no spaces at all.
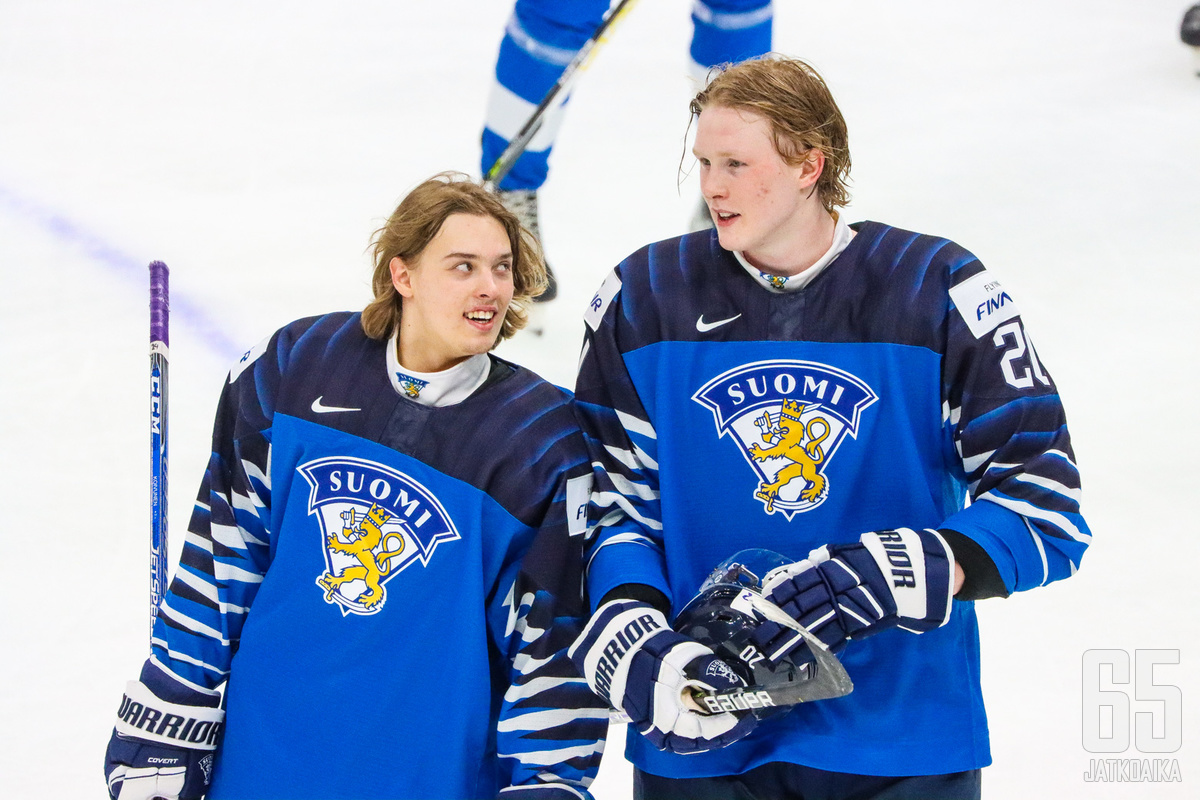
{"x":481,"y":318}
{"x":724,"y":218}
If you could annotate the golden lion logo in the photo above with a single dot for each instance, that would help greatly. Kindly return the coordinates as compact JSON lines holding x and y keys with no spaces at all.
{"x":362,"y":537}
{"x":796,"y":441}
{"x":778,"y":281}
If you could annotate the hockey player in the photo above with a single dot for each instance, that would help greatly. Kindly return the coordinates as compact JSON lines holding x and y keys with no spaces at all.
{"x":834,"y":393}
{"x":380,"y":578}
{"x":542,"y":37}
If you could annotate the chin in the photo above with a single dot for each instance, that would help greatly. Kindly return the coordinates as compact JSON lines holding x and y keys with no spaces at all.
{"x":483,"y":346}
{"x":729,"y":240}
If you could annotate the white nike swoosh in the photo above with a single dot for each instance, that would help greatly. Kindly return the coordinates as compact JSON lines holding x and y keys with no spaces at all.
{"x":321,"y":408}
{"x":705,"y":327}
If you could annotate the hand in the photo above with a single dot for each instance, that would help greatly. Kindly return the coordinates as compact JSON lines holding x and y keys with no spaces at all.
{"x":888,"y":578}
{"x":632,"y":659}
{"x":160,"y":749}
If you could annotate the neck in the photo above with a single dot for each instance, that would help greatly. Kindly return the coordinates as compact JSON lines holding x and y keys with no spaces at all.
{"x":809,"y":238}
{"x":412,"y":354}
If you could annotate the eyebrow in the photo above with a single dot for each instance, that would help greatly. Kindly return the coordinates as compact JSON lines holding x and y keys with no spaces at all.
{"x":474,"y":257}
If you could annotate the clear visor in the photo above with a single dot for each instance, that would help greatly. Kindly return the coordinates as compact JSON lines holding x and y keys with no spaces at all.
{"x":745,"y":569}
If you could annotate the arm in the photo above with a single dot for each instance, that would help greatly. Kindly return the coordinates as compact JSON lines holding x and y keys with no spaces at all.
{"x":1010,"y":434}
{"x":626,"y":545}
{"x":551,"y":727}
{"x":628,"y":653}
{"x":1022,"y":529}
{"x":226,"y":550}
{"x":156,"y":748}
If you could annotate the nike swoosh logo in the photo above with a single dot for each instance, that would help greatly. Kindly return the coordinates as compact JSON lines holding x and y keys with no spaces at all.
{"x":321,"y":408}
{"x":705,"y":327}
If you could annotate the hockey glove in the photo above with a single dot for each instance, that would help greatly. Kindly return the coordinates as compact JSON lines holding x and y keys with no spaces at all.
{"x":632,"y":658}
{"x":888,"y":578}
{"x":160,"y":749}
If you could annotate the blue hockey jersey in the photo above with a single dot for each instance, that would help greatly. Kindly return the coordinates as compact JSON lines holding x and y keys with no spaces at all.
{"x":916,"y":388}
{"x":387,"y":589}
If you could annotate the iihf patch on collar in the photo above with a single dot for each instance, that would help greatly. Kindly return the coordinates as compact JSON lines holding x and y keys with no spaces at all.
{"x":410,"y":385}
{"x":599,"y":304}
{"x":983,"y":303}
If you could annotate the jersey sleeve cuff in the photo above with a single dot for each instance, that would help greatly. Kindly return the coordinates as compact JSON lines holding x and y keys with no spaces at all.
{"x":616,"y":565}
{"x":1014,"y":550}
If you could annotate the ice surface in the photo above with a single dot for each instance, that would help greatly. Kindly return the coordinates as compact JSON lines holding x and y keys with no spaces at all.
{"x":254,"y":147}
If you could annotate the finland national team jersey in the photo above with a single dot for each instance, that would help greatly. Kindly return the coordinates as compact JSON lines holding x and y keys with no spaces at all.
{"x":389,"y":588}
{"x":722,"y":416}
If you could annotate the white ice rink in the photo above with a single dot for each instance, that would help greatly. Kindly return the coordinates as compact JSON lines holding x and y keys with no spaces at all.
{"x":255,"y":146}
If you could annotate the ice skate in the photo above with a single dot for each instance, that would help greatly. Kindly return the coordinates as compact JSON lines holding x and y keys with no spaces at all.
{"x":1189,"y":32}
{"x":523,"y":203}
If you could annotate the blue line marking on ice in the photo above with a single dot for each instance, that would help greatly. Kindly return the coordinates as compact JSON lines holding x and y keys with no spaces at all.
{"x":128,"y":267}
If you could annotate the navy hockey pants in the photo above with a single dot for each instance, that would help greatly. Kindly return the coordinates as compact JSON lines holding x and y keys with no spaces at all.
{"x":780,"y":781}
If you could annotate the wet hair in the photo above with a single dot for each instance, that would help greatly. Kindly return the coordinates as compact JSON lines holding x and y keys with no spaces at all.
{"x":412,"y":226}
{"x":795,"y":101}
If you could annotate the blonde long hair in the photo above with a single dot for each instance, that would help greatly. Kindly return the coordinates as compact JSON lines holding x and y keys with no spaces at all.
{"x":412,"y":226}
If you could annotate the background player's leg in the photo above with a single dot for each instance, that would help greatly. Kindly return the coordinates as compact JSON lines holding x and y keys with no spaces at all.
{"x":540,"y":39}
{"x":725,"y":32}
{"x":728,"y":31}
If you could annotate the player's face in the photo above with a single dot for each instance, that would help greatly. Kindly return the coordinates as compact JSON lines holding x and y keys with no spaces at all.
{"x":456,"y":294}
{"x":756,"y":199}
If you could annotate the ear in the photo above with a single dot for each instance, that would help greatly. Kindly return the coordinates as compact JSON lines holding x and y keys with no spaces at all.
{"x":401,"y":277}
{"x":811,"y":168}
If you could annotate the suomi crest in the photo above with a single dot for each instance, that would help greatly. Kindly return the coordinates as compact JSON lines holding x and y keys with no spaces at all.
{"x":374,"y":523}
{"x":788,"y":418}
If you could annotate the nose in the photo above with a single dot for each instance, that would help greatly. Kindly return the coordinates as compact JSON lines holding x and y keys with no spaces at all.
{"x":712,"y":187}
{"x":487,"y":285}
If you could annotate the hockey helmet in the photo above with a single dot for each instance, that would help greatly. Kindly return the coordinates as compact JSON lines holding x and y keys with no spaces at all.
{"x":724,"y":615}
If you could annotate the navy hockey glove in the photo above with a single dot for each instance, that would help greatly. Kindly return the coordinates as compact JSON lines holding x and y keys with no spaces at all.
{"x":631,"y":658}
{"x":888,"y":578}
{"x":160,"y":749}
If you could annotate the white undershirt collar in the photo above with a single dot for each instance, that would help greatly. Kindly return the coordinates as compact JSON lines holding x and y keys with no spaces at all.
{"x":437,"y":389}
{"x":842,"y":234}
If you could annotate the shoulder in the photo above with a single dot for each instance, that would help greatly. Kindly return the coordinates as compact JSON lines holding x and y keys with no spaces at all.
{"x":517,"y":440}
{"x":517,"y":395}
{"x":898,"y":283}
{"x":323,"y":337}
{"x":327,"y":337}
{"x":657,"y":292}
{"x":920,"y":255}
{"x":685,"y":260}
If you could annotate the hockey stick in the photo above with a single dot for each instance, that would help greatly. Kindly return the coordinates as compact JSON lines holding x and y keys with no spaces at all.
{"x":159,"y":317}
{"x":517,"y":146}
